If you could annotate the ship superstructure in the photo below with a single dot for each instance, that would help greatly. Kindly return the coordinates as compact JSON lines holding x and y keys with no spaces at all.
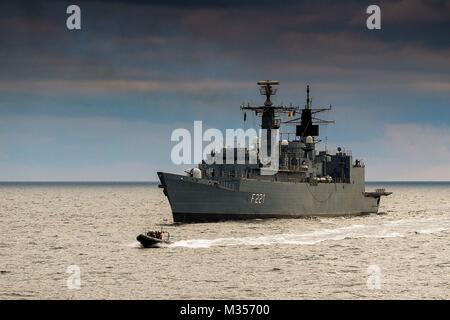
{"x":306,"y":182}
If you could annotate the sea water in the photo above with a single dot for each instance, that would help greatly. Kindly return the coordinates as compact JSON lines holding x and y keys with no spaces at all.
{"x":77,"y":241}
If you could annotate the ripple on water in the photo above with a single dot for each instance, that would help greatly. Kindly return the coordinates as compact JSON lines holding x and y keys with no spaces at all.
{"x":95,"y":228}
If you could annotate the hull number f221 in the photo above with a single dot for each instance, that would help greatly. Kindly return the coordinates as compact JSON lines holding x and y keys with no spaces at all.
{"x":258,"y":198}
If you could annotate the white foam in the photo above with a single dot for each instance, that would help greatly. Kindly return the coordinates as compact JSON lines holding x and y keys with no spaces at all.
{"x":431,"y":230}
{"x":134,"y":244}
{"x":390,"y":229}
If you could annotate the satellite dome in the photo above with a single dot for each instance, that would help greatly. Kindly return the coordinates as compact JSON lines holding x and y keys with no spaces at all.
{"x":196,"y":173}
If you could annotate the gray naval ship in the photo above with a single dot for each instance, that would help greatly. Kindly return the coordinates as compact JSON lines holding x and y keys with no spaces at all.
{"x":308,"y":182}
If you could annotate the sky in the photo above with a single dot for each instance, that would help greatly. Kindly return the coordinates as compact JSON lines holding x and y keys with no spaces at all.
{"x":101,"y":103}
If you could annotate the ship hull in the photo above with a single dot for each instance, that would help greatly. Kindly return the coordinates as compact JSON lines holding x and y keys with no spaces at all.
{"x":202,"y":200}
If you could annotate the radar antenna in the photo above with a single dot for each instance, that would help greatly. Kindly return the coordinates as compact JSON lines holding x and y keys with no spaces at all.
{"x":267,"y":90}
{"x":268,"y":110}
{"x":307,"y":123}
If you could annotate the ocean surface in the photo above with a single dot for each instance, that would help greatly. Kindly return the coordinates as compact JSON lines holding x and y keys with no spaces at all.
{"x":77,"y":241}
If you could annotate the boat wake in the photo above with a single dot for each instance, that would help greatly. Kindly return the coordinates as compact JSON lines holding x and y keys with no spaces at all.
{"x":391,"y":229}
{"x":134,"y":244}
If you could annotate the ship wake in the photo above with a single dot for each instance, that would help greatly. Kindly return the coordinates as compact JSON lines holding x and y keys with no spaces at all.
{"x":391,"y":229}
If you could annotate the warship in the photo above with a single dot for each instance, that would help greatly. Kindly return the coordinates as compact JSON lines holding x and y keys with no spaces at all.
{"x":307,"y":181}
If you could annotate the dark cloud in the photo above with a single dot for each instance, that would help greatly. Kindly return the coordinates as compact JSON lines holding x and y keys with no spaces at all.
{"x":167,"y":63}
{"x":129,"y":47}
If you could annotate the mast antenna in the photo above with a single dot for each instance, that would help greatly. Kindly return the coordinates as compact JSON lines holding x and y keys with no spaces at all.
{"x":308,"y":100}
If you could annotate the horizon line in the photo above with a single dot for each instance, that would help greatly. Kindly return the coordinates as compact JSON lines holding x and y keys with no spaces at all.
{"x":156,"y":181}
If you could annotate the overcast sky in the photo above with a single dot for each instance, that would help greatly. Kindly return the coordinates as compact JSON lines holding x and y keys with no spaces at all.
{"x":100,"y":103}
